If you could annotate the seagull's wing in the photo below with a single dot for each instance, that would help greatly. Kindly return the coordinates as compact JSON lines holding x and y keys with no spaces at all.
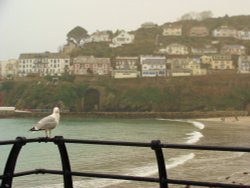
{"x":46,"y":123}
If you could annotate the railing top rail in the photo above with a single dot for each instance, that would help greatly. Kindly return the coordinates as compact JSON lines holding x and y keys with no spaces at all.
{"x":155,"y":145}
{"x":131,"y":144}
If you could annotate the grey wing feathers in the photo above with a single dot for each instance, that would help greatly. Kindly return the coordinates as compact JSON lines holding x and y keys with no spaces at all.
{"x":46,"y":123}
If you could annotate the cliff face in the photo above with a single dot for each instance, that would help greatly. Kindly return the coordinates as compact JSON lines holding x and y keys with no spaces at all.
{"x":206,"y":93}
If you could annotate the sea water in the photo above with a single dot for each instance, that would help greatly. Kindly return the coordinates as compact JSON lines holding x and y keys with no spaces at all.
{"x":118,"y":160}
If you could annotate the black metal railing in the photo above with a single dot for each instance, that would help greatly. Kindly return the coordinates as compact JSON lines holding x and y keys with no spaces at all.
{"x":67,"y":174}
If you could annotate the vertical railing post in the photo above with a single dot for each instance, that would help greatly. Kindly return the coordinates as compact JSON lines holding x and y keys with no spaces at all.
{"x":11,"y":162}
{"x":156,"y":146}
{"x":67,"y":177}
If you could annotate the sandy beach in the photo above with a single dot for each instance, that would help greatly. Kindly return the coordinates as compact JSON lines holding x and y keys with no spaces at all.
{"x":229,"y":132}
{"x":212,"y":166}
{"x":241,"y":120}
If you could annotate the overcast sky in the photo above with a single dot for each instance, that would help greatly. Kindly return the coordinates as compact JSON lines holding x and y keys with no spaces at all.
{"x":42,"y":25}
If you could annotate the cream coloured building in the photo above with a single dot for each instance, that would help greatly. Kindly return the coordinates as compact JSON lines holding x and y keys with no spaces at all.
{"x":172,"y":30}
{"x":43,"y":64}
{"x":196,"y":67}
{"x":218,"y":62}
{"x":225,"y":31}
{"x":175,"y":49}
{"x":244,"y":64}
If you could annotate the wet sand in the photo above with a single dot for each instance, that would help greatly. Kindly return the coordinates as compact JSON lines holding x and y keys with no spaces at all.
{"x":226,"y":167}
{"x":212,"y":166}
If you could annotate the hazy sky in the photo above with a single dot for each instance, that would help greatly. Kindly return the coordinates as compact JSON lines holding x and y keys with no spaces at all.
{"x":42,"y":25}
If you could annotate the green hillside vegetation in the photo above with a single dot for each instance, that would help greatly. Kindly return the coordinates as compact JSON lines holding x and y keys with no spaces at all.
{"x":149,"y":40}
{"x":206,"y":93}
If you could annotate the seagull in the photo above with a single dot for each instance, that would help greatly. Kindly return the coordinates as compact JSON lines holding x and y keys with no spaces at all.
{"x":48,"y":123}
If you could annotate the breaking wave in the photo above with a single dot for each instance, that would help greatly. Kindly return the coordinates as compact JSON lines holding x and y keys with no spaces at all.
{"x":193,"y":137}
{"x":143,"y":171}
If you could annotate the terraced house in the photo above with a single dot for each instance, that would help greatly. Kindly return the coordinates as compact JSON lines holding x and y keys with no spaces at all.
{"x":43,"y":64}
{"x":179,"y":67}
{"x":90,"y":65}
{"x":218,"y":63}
{"x":244,"y":64}
{"x":126,"y":67}
{"x":153,"y":66}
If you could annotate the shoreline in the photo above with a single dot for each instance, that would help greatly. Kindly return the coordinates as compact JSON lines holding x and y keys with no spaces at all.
{"x":230,"y":132}
{"x":228,"y":121}
{"x":131,"y":115}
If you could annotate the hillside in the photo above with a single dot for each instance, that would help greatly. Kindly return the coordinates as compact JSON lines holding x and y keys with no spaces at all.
{"x":149,"y":40}
{"x":206,"y":93}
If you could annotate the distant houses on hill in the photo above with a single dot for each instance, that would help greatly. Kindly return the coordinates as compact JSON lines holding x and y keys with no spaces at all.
{"x":58,"y":64}
{"x":171,"y":58}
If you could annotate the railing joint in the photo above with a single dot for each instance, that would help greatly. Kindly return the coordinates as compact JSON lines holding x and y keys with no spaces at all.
{"x":58,"y":140}
{"x":155,"y":144}
{"x":21,"y":140}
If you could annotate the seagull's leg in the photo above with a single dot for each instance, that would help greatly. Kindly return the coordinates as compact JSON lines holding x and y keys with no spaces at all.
{"x":49,"y":133}
{"x":46,"y":133}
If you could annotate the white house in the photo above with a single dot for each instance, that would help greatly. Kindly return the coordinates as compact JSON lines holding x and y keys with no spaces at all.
{"x":225,"y":31}
{"x":172,"y":30}
{"x":244,"y":64}
{"x":122,"y":38}
{"x":43,"y":64}
{"x":126,"y":67}
{"x":175,"y":49}
{"x":99,"y":36}
{"x":243,"y":34}
{"x":153,"y":66}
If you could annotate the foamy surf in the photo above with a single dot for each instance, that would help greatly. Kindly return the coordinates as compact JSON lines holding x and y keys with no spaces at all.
{"x":180,"y":160}
{"x":197,"y":124}
{"x":144,"y":171}
{"x":193,"y":137}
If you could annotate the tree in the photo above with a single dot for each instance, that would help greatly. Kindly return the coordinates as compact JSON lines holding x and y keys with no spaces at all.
{"x":197,"y":15}
{"x":77,"y":34}
{"x":205,"y":14}
{"x":188,"y":16}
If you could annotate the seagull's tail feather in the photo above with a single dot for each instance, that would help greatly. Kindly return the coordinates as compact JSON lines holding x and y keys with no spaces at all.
{"x":34,"y":129}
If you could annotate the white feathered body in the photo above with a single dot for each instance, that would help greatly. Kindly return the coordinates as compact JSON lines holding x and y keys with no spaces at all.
{"x":48,"y":123}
